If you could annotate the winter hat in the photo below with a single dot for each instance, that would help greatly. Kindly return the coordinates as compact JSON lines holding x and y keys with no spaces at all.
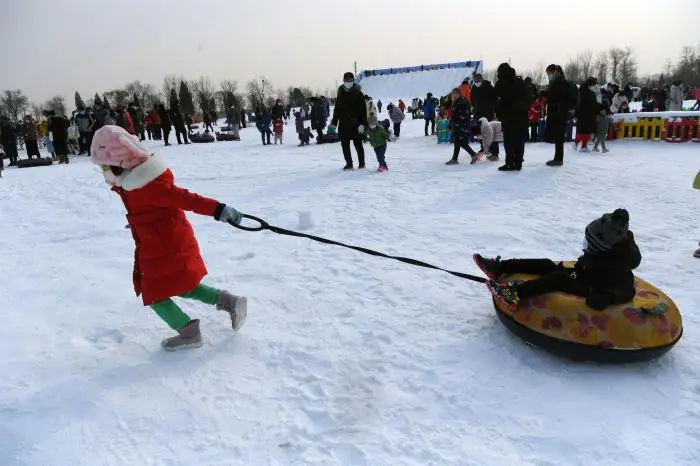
{"x":348,"y":76}
{"x":606,"y":232}
{"x":372,"y":121}
{"x":112,"y":145}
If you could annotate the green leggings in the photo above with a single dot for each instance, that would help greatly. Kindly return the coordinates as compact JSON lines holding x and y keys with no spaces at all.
{"x":174,"y":316}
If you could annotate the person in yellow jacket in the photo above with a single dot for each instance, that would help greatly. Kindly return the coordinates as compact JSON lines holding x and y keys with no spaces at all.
{"x":696,"y":185}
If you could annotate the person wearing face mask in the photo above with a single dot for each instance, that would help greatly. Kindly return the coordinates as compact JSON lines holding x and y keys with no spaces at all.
{"x":483,"y":98}
{"x":350,"y":117}
{"x":562,"y":97}
{"x":589,"y":97}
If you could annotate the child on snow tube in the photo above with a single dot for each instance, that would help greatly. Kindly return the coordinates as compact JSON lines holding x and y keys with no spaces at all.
{"x":603,"y":274}
{"x":167,"y":260}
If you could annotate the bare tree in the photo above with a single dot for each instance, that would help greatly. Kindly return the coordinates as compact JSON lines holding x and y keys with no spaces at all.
{"x":538,"y":74}
{"x":229,"y":88}
{"x":616,"y":56}
{"x":57,"y":104}
{"x":490,"y":75}
{"x":117,"y":96}
{"x":14,"y":103}
{"x":572,"y":70}
{"x":585,"y":59}
{"x":170,"y":82}
{"x":203,"y":91}
{"x":36,"y":111}
{"x":601,"y":67}
{"x":258,"y":92}
{"x":145,"y":93}
{"x":628,"y":67}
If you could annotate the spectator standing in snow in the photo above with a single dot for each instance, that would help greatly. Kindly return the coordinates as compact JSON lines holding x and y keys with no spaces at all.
{"x":137,"y":118}
{"x":179,"y":123}
{"x":397,"y":116}
{"x":85,"y":122}
{"x":514,"y":101}
{"x":124,"y":119}
{"x":675,"y":97}
{"x":602,"y":125}
{"x":303,"y":132}
{"x":157,"y":123}
{"x":277,"y":111}
{"x":58,"y":126}
{"x":429,"y":113}
{"x":461,"y":117}
{"x":165,"y":123}
{"x":586,"y":113}
{"x":402,"y":106}
{"x":561,"y":99}
{"x":483,"y":98}
{"x":262,"y":122}
{"x":31,"y":137}
{"x":207,"y":122}
{"x":350,"y":116}
{"x":8,"y":137}
{"x":620,"y":104}
{"x":379,"y":105}
{"x":536,"y":115}
{"x":233,"y":118}
{"x":278,"y":130}
{"x":318,"y":117}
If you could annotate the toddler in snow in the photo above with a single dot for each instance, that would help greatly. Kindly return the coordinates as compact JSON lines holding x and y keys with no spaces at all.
{"x":278,"y":129}
{"x":167,"y":259}
{"x":378,"y":138}
{"x":603,"y":274}
{"x":490,"y":133}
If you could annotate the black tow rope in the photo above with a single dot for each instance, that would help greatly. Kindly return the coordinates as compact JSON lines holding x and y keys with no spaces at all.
{"x":263,"y":225}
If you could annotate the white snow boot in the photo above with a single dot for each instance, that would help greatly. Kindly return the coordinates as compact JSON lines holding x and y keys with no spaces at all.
{"x":236,"y":306}
{"x":187,"y":337}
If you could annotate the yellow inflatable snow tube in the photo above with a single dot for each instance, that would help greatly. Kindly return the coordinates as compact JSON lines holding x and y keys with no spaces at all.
{"x":563,"y":324}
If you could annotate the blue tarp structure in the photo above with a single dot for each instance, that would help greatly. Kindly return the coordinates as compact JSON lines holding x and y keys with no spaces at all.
{"x":477,"y":65}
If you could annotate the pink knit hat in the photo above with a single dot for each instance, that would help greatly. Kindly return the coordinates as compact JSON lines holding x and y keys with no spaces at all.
{"x":112,"y":145}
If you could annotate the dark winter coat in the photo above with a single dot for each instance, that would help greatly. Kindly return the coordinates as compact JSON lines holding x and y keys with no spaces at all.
{"x":484,"y":100}
{"x":318,"y":115}
{"x":350,"y":111}
{"x":137,"y":119}
{"x":560,"y":101}
{"x":164,"y":118}
{"x":587,"y":111}
{"x":103,"y":116}
{"x":277,"y":112}
{"x":167,"y":259}
{"x":263,"y":121}
{"x":8,"y":134}
{"x":609,"y":274}
{"x":233,"y":116}
{"x":177,"y":119}
{"x":429,"y":108}
{"x":514,"y":97}
{"x":84,"y":121}
{"x":461,"y":116}
{"x":58,"y":126}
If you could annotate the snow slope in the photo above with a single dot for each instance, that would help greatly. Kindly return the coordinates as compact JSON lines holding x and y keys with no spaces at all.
{"x":406,"y":86}
{"x":346,"y":359}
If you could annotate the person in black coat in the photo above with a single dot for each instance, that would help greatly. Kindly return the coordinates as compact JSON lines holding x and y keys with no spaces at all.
{"x":588,"y":108}
{"x":277,"y":112}
{"x":58,"y":126}
{"x":318,"y":117}
{"x":561,"y":99}
{"x":514,"y":100}
{"x":165,"y":122}
{"x":603,"y":274}
{"x":350,"y":115}
{"x":8,"y":138}
{"x":483,"y":98}
{"x":179,"y":124}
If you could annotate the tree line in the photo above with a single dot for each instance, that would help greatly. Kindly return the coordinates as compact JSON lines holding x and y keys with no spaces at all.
{"x":620,"y":65}
{"x":190,"y":96}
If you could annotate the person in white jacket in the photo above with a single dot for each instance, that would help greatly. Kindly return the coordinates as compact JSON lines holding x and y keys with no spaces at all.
{"x":675,"y":97}
{"x":619,"y":103}
{"x":490,"y":133}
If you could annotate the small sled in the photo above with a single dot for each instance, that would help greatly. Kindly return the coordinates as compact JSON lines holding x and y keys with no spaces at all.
{"x":40,"y":162}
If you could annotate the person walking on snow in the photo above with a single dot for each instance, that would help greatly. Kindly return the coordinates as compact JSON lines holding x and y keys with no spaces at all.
{"x":379,"y":105}
{"x":397,"y":116}
{"x":461,"y":116}
{"x":350,"y":117}
{"x":233,"y":118}
{"x":167,"y":259}
{"x":586,"y":112}
{"x":429,"y":113}
{"x":378,"y":138}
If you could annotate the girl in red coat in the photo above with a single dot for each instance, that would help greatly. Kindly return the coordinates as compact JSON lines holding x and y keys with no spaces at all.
{"x":167,"y":260}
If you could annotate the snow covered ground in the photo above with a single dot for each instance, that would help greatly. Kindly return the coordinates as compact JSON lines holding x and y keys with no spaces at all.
{"x":346,"y":359}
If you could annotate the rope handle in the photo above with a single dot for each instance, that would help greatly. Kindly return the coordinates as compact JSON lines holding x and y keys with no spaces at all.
{"x":262,"y":225}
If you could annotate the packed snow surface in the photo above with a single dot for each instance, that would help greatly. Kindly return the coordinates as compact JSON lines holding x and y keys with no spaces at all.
{"x":346,"y":359}
{"x":406,"y":86}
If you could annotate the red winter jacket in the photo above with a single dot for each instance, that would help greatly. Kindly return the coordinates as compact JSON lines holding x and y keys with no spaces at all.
{"x":167,"y":260}
{"x":536,"y":112}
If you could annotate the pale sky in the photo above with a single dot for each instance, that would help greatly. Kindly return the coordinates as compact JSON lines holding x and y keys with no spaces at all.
{"x":55,"y":47}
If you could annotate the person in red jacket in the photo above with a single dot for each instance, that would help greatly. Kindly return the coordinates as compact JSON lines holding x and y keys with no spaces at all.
{"x":167,"y":259}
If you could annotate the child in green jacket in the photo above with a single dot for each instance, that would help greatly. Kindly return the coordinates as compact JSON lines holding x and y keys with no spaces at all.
{"x":377,"y":138}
